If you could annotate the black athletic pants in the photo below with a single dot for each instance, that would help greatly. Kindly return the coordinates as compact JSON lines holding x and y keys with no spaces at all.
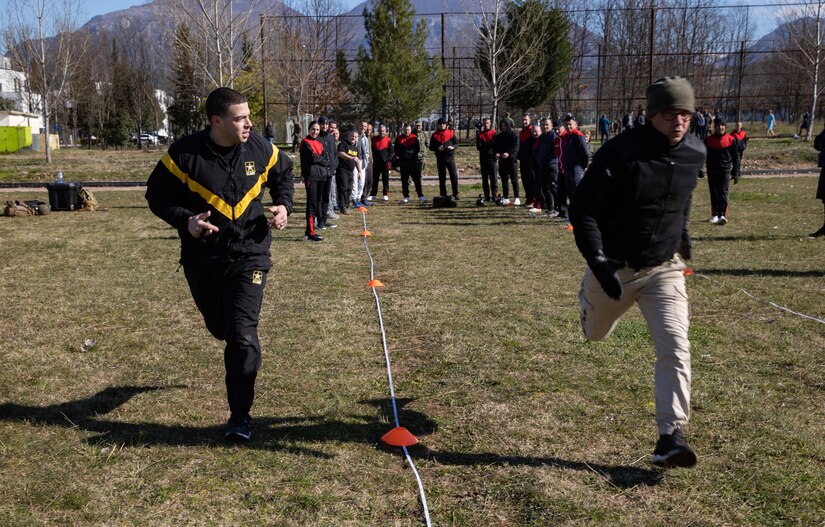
{"x":489,"y":179}
{"x":229,"y":298}
{"x":528,"y":179}
{"x":324,"y":188}
{"x":718,"y":183}
{"x":409,"y":169}
{"x":380,"y":169}
{"x":547,"y":179}
{"x":343,"y":182}
{"x":314,"y":202}
{"x":447,"y":164}
{"x":507,"y":171}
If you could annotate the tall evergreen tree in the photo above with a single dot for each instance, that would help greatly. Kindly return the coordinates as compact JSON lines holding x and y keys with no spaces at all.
{"x":184,"y":112}
{"x":396,"y":79}
{"x":551,"y":44}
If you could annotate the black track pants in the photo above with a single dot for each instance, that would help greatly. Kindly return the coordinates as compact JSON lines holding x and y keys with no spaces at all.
{"x":229,"y":298}
{"x":489,"y":181}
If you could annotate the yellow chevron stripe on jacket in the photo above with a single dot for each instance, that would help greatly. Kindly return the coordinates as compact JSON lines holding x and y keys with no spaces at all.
{"x":213,"y":199}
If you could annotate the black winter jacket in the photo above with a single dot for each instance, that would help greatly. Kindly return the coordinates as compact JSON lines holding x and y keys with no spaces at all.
{"x":506,"y":142}
{"x":192,"y":178}
{"x":634,"y":200}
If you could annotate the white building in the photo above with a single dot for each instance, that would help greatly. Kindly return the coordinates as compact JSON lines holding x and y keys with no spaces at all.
{"x":15,"y":87}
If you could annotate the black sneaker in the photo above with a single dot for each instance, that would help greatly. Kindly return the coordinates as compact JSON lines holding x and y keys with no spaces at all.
{"x":818,"y":234}
{"x":238,"y":429}
{"x":673,"y":451}
{"x":313,"y":238}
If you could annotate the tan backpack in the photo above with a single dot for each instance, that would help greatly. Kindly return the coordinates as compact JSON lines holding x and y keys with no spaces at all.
{"x":17,"y":208}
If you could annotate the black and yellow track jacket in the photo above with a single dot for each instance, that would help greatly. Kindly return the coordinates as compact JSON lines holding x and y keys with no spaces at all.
{"x":192,"y":178}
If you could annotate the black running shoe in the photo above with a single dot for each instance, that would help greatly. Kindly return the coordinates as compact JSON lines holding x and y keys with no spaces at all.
{"x":673,"y":451}
{"x":818,"y":234}
{"x":313,"y":238}
{"x":238,"y":429}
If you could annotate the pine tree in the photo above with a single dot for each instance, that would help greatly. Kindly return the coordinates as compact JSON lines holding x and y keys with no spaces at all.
{"x":184,"y":112}
{"x":551,"y":44}
{"x":396,"y":79}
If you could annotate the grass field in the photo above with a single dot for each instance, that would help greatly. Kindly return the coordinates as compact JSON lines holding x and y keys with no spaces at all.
{"x":522,"y":421}
{"x":781,"y":153}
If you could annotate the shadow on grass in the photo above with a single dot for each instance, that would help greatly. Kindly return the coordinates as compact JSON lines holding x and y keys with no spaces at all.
{"x":762,"y":272}
{"x":281,"y":434}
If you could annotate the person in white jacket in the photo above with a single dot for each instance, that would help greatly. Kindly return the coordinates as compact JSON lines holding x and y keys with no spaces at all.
{"x":360,"y":173}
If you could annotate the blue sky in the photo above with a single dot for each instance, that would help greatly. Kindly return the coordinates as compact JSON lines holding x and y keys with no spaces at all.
{"x":765,"y":17}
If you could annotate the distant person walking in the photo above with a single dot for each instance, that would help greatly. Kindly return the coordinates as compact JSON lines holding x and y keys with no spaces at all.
{"x":805,"y":125}
{"x":604,"y":128}
{"x":771,"y":121}
{"x":741,"y":137}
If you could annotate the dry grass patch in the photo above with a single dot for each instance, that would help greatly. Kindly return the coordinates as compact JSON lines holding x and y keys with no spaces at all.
{"x":522,"y":421}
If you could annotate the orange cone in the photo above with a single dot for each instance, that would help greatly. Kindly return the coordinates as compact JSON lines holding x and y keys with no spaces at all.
{"x":362,"y":209}
{"x":688,"y":271}
{"x":365,"y":233}
{"x":399,"y":436}
{"x":375,"y":283}
{"x":569,"y":228}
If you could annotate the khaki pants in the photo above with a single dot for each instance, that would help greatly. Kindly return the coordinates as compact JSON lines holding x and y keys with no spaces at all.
{"x":661,"y":295}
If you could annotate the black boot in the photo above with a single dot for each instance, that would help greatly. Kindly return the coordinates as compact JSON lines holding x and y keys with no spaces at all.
{"x":819,"y":233}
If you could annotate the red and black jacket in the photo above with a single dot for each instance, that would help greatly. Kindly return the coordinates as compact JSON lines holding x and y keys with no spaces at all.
{"x":525,"y":143}
{"x":193,"y":177}
{"x":741,"y":138}
{"x":723,"y":153}
{"x":314,"y":159}
{"x":443,"y":138}
{"x":381,"y":150}
{"x":484,"y":144}
{"x":407,"y":147}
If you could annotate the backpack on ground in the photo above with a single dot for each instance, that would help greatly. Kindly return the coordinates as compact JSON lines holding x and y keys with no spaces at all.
{"x":17,"y":209}
{"x":86,"y":200}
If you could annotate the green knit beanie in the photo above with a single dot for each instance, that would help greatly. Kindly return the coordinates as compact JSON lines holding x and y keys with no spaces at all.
{"x":670,"y":93}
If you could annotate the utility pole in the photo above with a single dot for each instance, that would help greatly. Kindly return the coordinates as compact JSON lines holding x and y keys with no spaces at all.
{"x":443,"y":65}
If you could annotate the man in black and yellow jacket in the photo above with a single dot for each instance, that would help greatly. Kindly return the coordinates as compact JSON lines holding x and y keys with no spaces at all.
{"x":209,"y":186}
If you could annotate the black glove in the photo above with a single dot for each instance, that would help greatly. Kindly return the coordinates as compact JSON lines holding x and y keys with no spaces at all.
{"x":735,"y":178}
{"x":604,"y":269}
{"x":685,"y":250}
{"x":701,"y":173}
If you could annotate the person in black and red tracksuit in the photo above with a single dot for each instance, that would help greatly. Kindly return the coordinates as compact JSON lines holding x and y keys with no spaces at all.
{"x":723,"y":157}
{"x":209,"y":186}
{"x":525,"y":149}
{"x":314,"y":161}
{"x":407,"y":149}
{"x":741,"y":137}
{"x":505,"y":144}
{"x":443,"y":142}
{"x":381,"y":155}
{"x":575,"y":158}
{"x":487,"y":159}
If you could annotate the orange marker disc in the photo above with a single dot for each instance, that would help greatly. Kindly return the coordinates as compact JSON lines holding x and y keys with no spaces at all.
{"x":399,"y":436}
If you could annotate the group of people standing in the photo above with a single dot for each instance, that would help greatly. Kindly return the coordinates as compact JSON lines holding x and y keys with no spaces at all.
{"x":550,"y":157}
{"x":343,"y":172}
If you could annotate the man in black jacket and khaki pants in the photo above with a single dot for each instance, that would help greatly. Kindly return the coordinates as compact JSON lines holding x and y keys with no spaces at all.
{"x":630,"y":216}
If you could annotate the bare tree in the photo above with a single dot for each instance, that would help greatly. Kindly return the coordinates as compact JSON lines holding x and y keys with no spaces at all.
{"x":801,"y":46}
{"x":304,"y":47}
{"x":503,"y":49}
{"x":218,"y":29}
{"x":41,"y":40}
